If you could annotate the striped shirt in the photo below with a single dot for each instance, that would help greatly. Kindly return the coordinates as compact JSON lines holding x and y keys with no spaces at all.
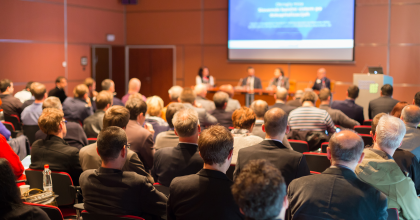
{"x":311,"y":118}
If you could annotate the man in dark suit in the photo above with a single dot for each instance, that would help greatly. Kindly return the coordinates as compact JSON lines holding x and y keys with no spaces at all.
{"x":187,"y":98}
{"x":296,"y":99}
{"x":349,"y":107}
{"x":337,"y":193}
{"x":109,"y":86}
{"x":93,"y":124}
{"x":53,"y":150}
{"x":384,"y":104}
{"x":281,"y":96}
{"x":10,"y":104}
{"x":252,"y":81}
{"x":58,"y":91}
{"x":321,"y":81}
{"x":183,"y":159}
{"x":291,"y":163}
{"x":207,"y":193}
{"x":111,"y":191}
{"x":77,"y":109}
{"x":223,"y":117}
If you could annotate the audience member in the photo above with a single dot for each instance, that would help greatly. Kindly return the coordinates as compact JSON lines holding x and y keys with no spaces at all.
{"x":321,"y":81}
{"x":416,"y":100}
{"x":93,"y":124}
{"x":260,"y":191}
{"x":89,"y":158}
{"x":243,"y":124}
{"x":31,"y":114}
{"x":349,"y":107}
{"x":54,"y":150}
{"x":183,"y":159}
{"x":251,"y":81}
{"x":140,"y":138}
{"x":224,"y":117}
{"x":291,"y":163}
{"x":153,"y":116}
{"x":134,"y":86}
{"x":109,"y":86}
{"x":296,"y":99}
{"x":25,"y":94}
{"x":12,"y":206}
{"x":338,"y":117}
{"x":342,"y":195}
{"x":169,"y":138}
{"x":9,"y":154}
{"x":77,"y":109}
{"x":174,"y":93}
{"x":91,"y":84}
{"x":10,"y":104}
{"x":187,"y":98}
{"x":109,"y":190}
{"x":4,"y":131}
{"x":232,"y":104}
{"x":75,"y":135}
{"x":281,"y":97}
{"x":201,"y":91}
{"x":396,"y":111}
{"x":411,"y":118}
{"x":206,"y":194}
{"x":380,"y":170}
{"x":384,"y":104}
{"x":58,"y":91}
{"x":310,"y":118}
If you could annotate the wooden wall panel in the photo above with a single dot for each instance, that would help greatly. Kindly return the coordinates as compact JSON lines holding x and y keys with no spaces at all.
{"x":403,"y":30}
{"x":75,"y":53}
{"x":165,"y":5}
{"x":114,"y":5}
{"x":371,"y":24}
{"x":215,"y":27}
{"x":405,"y":67}
{"x":215,"y":4}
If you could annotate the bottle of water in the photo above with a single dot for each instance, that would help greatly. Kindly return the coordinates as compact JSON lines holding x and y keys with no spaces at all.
{"x":1,"y":115}
{"x":47,"y":178}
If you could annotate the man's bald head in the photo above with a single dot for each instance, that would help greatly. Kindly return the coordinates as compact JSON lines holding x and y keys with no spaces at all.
{"x":346,"y":146}
{"x":275,"y":122}
{"x":260,"y":107}
{"x":282,"y":94}
{"x":200,"y":90}
{"x":411,"y":115}
{"x":134,"y":85}
{"x":228,"y":89}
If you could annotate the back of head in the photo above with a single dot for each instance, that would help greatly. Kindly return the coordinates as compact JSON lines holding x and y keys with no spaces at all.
{"x":387,"y":90}
{"x":187,"y":95}
{"x":260,"y":107}
{"x":275,"y":122}
{"x":134,"y":84}
{"x":106,"y":84}
{"x":38,"y":90}
{"x":243,"y":118}
{"x":375,"y":122}
{"x":281,"y":94}
{"x":170,"y":112}
{"x":29,"y":84}
{"x":136,"y":106}
{"x":220,"y":99}
{"x":50,"y":119}
{"x":89,"y":82}
{"x":417,"y":99}
{"x":309,"y":96}
{"x":411,"y":115}
{"x":390,"y":132}
{"x":4,"y":84}
{"x":185,"y":122}
{"x":116,"y":116}
{"x":200,"y":89}
{"x":52,"y":102}
{"x":228,"y":89}
{"x":175,"y":92}
{"x":9,"y":192}
{"x":346,"y":146}
{"x":103,"y":99}
{"x":154,"y":105}
{"x":80,"y":90}
{"x":215,"y":144}
{"x":396,"y":111}
{"x":353,"y":91}
{"x":135,"y":95}
{"x":298,"y":94}
{"x":324,"y":94}
{"x":259,"y":190}
{"x":110,"y":142}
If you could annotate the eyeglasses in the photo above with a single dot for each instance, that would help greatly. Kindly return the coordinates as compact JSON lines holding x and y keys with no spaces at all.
{"x":128,"y":145}
{"x":64,"y":120}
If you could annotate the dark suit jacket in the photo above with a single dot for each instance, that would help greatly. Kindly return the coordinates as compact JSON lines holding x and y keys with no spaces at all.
{"x":383,"y":104}
{"x":351,"y":109}
{"x":25,"y":212}
{"x":284,"y":107}
{"x":205,"y":195}
{"x":55,"y":152}
{"x":291,"y":163}
{"x":223,"y":117}
{"x":11,"y":105}
{"x":296,"y":103}
{"x":76,"y":109}
{"x":117,"y":101}
{"x":141,"y":141}
{"x":409,"y":164}
{"x":93,"y":124}
{"x":337,"y":193}
{"x":257,"y":82}
{"x":318,"y":86}
{"x":59,"y":93}
{"x":75,"y":136}
{"x":114,"y":192}
{"x":176,"y":161}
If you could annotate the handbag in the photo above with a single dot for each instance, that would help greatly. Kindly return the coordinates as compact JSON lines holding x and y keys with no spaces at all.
{"x":41,"y":197}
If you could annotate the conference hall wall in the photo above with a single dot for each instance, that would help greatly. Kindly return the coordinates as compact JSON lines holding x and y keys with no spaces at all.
{"x":33,"y":36}
{"x":385,"y":35}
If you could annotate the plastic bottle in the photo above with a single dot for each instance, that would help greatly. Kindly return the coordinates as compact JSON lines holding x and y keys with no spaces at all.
{"x":1,"y":115}
{"x":47,"y":183}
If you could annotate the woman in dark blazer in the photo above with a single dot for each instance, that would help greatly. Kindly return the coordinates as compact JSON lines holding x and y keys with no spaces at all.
{"x":279,"y":79}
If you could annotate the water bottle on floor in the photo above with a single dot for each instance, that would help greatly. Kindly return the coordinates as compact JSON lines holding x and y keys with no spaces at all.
{"x":47,"y":178}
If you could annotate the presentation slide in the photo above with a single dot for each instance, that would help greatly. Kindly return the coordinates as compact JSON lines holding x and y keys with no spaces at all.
{"x":296,"y":31}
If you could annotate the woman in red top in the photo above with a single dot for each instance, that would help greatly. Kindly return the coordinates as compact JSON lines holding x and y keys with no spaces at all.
{"x":7,"y":152}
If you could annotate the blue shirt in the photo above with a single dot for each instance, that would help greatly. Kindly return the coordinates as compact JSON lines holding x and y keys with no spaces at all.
{"x":4,"y":131}
{"x":31,"y":114}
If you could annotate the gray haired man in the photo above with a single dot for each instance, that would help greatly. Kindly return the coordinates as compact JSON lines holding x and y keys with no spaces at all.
{"x":411,"y":118}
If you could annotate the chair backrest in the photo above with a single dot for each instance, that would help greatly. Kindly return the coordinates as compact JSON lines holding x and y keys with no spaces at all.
{"x":62,"y":185}
{"x":89,"y":216}
{"x":324,"y":147}
{"x":29,"y":131}
{"x":161,"y":188}
{"x":393,"y":214}
{"x":14,"y":119}
{"x":367,"y":139}
{"x":92,"y":140}
{"x":317,"y":162}
{"x":314,"y":172}
{"x":367,"y":122}
{"x":363,"y":129}
{"x":9,"y":126}
{"x":53,"y":212}
{"x":299,"y":146}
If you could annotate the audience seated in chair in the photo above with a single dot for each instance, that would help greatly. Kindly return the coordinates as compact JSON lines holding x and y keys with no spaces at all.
{"x":4,"y":131}
{"x":260,"y":191}
{"x":7,"y":153}
{"x":93,"y":124}
{"x":32,"y":98}
{"x":223,"y":117}
{"x":201,"y":92}
{"x":383,"y":104}
{"x":10,"y":104}
{"x":183,"y":159}
{"x":281,"y":97}
{"x":187,"y":98}
{"x":134,"y":86}
{"x":174,"y":93}
{"x":232,"y":104}
{"x":31,"y":114}
{"x":380,"y":170}
{"x":54,"y":150}
{"x":111,"y":191}
{"x":153,"y":115}
{"x":396,"y":111}
{"x":109,"y":86}
{"x":58,"y":91}
{"x":291,"y":163}
{"x":349,"y":107}
{"x":337,"y":191}
{"x":168,"y":138}
{"x":77,"y":109}
{"x":89,"y":158}
{"x":206,"y":194}
{"x":296,"y":99}
{"x":25,"y":94}
{"x":91,"y":84}
{"x":411,"y":118}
